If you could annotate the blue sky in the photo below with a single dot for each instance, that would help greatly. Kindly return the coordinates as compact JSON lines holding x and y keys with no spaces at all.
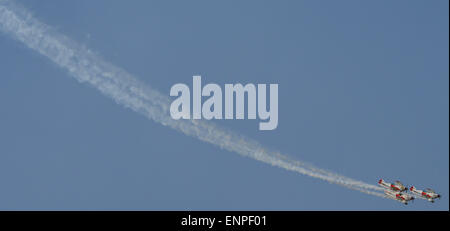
{"x":363,"y":91}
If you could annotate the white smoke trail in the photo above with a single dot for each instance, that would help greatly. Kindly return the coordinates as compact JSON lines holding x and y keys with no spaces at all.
{"x":126,"y":90}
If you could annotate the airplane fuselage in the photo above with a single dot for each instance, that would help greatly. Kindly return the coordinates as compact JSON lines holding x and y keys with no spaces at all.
{"x":430,"y":196}
{"x":390,"y":186}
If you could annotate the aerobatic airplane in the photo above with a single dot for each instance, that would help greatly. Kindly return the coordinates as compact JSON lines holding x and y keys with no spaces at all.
{"x":399,"y":196}
{"x":427,"y":194}
{"x":396,"y":186}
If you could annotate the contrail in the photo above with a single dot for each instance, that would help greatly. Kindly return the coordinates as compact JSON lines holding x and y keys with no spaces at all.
{"x":128,"y":91}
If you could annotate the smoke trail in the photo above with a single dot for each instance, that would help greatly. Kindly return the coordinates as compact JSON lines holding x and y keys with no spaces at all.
{"x":126,"y":90}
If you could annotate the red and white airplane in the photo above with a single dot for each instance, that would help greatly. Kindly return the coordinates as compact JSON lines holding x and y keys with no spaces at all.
{"x":396,"y":186}
{"x":399,"y":196}
{"x":427,"y":194}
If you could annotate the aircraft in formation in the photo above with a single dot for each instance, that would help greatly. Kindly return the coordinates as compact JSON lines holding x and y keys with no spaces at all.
{"x":428,"y":194}
{"x":397,"y":191}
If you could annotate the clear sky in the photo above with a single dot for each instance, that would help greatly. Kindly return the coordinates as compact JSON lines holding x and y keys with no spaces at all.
{"x":363,"y":91}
